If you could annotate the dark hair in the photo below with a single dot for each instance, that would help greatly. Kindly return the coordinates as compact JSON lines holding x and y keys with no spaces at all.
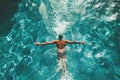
{"x":60,"y":36}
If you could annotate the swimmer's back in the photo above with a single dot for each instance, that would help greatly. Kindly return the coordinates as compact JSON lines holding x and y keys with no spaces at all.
{"x":60,"y":43}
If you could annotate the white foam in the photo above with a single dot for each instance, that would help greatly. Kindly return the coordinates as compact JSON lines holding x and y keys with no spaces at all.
{"x":42,"y":10}
{"x":61,"y":26}
{"x":67,"y":76}
{"x":97,"y":5}
{"x":111,"y":17}
{"x":60,"y":64}
{"x":89,"y":55}
{"x":33,"y":4}
{"x":98,"y":55}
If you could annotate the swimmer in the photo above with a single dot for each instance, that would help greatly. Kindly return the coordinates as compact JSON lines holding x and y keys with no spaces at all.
{"x":60,"y":44}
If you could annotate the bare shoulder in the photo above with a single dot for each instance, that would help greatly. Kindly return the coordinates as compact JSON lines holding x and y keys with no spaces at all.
{"x":54,"y":41}
{"x":66,"y":40}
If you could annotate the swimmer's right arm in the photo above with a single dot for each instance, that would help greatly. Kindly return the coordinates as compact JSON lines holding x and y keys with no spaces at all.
{"x":44,"y":43}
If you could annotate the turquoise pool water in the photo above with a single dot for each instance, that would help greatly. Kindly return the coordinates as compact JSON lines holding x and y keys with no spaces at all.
{"x":96,"y":22}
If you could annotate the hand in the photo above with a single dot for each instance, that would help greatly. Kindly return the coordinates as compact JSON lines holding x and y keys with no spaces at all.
{"x":36,"y":43}
{"x":83,"y":42}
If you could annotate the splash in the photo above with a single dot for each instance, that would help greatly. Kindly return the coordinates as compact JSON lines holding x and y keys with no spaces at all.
{"x":65,"y":75}
{"x":60,"y":17}
{"x":42,"y":10}
{"x":61,"y":27}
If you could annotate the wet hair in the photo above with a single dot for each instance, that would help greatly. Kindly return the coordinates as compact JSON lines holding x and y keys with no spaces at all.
{"x":60,"y":37}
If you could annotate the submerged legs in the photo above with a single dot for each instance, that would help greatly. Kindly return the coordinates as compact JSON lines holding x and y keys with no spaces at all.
{"x":62,"y":66}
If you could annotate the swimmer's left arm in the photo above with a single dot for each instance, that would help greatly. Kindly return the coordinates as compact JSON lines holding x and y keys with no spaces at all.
{"x":74,"y":42}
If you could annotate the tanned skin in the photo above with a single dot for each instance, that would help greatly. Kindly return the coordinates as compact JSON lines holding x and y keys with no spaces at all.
{"x":60,"y":44}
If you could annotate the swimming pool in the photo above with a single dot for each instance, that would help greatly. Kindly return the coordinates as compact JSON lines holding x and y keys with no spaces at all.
{"x":95,"y":22}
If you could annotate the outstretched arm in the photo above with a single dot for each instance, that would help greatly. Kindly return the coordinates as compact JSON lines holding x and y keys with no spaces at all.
{"x":74,"y":42}
{"x":44,"y":43}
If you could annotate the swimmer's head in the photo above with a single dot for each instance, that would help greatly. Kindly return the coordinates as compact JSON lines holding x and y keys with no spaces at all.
{"x":60,"y":36}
